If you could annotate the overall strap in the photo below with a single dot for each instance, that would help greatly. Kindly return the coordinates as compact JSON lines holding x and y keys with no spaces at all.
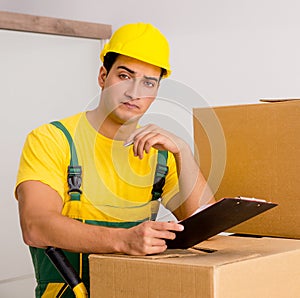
{"x":160,"y":174}
{"x":159,"y":180}
{"x":74,"y":169}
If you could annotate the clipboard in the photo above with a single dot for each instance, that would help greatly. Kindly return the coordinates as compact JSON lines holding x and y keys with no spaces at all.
{"x":217,"y":218}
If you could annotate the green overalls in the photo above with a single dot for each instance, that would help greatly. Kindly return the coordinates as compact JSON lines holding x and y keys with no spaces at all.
{"x":50,"y":282}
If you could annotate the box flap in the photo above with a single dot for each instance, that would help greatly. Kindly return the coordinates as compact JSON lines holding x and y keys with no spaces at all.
{"x":169,"y":253}
{"x":217,"y":251}
{"x":277,"y":99}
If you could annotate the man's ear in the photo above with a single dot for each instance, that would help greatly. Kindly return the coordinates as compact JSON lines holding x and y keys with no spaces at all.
{"x":102,"y":76}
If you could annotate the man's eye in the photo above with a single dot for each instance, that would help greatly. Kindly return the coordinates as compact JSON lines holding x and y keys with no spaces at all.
{"x":123,"y":76}
{"x":149,"y":84}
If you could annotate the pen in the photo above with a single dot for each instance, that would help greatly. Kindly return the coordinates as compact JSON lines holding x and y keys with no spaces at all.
{"x":128,"y":143}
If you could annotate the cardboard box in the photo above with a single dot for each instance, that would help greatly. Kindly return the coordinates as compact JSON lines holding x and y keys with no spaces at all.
{"x":246,"y":150}
{"x":224,"y":267}
{"x":254,"y":151}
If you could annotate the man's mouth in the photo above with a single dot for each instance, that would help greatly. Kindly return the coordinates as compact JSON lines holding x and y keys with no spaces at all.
{"x":130,"y":105}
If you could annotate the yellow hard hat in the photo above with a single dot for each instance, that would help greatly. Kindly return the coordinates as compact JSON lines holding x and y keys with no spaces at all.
{"x":140,"y":41}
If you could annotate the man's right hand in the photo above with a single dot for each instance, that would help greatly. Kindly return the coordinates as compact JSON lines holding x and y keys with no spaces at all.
{"x":148,"y":237}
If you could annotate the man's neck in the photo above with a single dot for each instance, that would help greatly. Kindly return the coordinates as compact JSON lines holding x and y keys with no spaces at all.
{"x":110,"y":128}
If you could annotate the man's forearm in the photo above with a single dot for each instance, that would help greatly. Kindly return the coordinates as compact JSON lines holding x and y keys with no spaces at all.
{"x":194,"y":190}
{"x":70,"y":234}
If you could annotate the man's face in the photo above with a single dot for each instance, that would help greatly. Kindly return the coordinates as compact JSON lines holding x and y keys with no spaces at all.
{"x":128,"y":89}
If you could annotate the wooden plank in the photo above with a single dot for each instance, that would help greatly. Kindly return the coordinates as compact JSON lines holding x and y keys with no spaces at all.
{"x":48,"y":25}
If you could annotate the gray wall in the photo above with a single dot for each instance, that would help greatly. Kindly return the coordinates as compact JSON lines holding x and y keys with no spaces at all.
{"x":43,"y":78}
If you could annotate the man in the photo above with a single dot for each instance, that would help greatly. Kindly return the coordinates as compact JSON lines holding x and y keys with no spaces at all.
{"x":111,"y":210}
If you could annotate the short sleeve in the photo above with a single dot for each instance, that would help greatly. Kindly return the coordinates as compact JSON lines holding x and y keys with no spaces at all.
{"x":44,"y":158}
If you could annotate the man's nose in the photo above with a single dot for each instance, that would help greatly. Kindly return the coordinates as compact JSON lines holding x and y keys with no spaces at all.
{"x":133,"y":90}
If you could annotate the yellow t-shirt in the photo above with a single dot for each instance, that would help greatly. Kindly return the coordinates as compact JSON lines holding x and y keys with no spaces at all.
{"x":116,"y":185}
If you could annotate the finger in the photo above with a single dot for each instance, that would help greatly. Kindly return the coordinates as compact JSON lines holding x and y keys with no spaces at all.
{"x":153,"y":243}
{"x":151,"y":140}
{"x":156,"y":139}
{"x":140,"y":131}
{"x":156,"y":249}
{"x":148,"y":250}
{"x":143,"y":143}
{"x":157,"y":242}
{"x":167,"y":226}
{"x":163,"y":235}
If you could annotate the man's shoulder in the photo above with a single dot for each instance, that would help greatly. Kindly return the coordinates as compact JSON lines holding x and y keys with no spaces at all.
{"x":72,"y":121}
{"x":69,"y":122}
{"x":47,"y":131}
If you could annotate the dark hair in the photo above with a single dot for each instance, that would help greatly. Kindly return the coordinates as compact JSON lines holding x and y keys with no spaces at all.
{"x":110,"y":58}
{"x":162,"y":73}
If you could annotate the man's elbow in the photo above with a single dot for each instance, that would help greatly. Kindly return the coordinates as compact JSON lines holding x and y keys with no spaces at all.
{"x":31,"y":236}
{"x":28,"y":240}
